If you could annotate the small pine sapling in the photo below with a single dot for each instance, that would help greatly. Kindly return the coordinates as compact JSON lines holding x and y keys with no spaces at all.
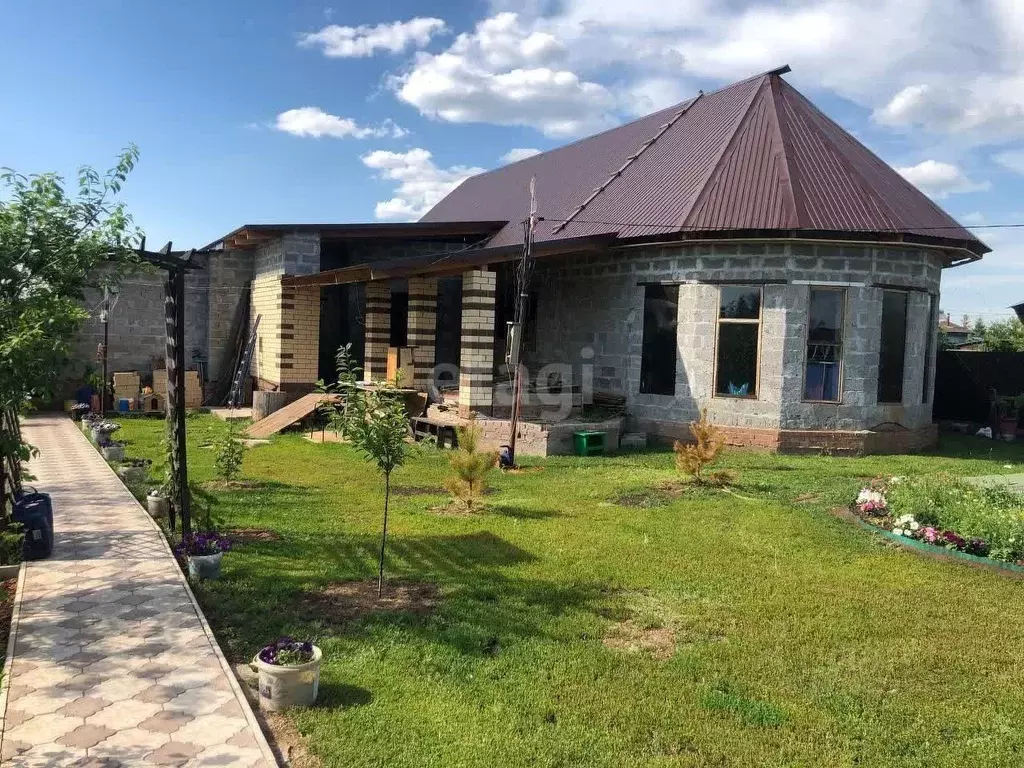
{"x":230,"y":450}
{"x":470,"y":465}
{"x":694,"y":458}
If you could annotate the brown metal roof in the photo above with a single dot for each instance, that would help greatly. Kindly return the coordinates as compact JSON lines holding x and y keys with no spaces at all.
{"x":754,"y":157}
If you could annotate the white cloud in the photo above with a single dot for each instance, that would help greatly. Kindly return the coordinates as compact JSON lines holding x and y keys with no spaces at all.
{"x":420,"y":183}
{"x":1011,"y":159}
{"x":589,"y":63}
{"x":314,"y":122}
{"x":940,"y":179}
{"x":356,"y":42}
{"x":505,"y":73}
{"x":516,"y":154}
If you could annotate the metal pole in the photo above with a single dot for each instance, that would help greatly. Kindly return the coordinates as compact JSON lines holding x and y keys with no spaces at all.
{"x":522,"y":296}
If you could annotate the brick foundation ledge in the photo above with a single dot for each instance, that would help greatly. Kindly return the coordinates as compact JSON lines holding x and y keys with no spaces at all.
{"x":814,"y":441}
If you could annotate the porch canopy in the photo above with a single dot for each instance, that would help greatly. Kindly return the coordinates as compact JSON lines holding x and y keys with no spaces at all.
{"x":444,"y":264}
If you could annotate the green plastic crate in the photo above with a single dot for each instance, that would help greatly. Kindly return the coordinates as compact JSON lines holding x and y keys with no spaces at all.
{"x":589,"y":443}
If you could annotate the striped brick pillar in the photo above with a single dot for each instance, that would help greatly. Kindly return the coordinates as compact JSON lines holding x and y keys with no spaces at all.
{"x":378,"y":330}
{"x":422,"y":328}
{"x":476,"y":363}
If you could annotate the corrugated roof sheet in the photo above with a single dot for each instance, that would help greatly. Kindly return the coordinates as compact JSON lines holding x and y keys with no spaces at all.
{"x":756,"y":155}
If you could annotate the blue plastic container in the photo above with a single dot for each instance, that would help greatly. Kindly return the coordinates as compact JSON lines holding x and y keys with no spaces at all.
{"x":35,"y":513}
{"x":124,"y":405}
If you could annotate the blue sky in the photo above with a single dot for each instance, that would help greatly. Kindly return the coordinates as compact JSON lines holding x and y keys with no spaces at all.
{"x":305,"y":111}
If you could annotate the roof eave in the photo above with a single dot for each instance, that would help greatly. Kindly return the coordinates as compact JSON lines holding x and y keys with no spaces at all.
{"x":252,"y":235}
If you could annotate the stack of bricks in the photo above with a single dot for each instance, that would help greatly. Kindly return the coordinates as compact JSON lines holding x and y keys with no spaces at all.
{"x":287,"y":354}
{"x":476,"y":364}
{"x":422,"y":328}
{"x":378,"y":329}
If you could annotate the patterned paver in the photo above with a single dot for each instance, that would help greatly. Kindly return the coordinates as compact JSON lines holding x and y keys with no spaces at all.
{"x":112,"y":663}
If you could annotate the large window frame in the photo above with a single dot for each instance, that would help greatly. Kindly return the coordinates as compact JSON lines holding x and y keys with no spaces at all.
{"x":840,"y":345}
{"x":659,"y":340}
{"x":890,"y":398}
{"x":720,"y":321}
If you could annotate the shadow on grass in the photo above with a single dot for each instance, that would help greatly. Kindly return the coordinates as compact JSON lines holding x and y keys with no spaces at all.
{"x":342,"y":695}
{"x":521,"y":513}
{"x":483,"y":607}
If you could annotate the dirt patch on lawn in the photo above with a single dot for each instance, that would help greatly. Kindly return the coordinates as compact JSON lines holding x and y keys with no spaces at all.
{"x":346,"y":601}
{"x":248,"y":535}
{"x":523,"y":470}
{"x":642,"y":499}
{"x":630,"y":637}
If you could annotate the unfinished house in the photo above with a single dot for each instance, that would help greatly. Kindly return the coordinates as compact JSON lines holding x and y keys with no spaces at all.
{"x":739,"y":253}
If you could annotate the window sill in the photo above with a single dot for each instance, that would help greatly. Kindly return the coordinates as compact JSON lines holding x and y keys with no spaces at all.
{"x":734,"y":397}
{"x":822,"y":402}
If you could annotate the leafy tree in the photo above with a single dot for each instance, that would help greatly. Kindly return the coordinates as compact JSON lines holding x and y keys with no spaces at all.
{"x":470,"y":466}
{"x":53,"y":245}
{"x":375,"y":422}
{"x":229,"y":452}
{"x":1003,"y":336}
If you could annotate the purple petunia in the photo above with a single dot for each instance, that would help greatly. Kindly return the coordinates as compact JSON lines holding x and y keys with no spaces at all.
{"x":287,"y":652}
{"x":200,"y":544}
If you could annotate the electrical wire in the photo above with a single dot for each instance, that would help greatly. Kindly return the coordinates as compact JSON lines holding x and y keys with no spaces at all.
{"x":697,"y":228}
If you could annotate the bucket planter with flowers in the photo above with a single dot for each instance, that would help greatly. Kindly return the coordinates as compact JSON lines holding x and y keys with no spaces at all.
{"x":289,"y":672}
{"x":133,"y":470}
{"x":158,"y":504}
{"x":78,"y":411}
{"x":202,"y":553}
{"x":112,"y":451}
{"x":102,"y":430}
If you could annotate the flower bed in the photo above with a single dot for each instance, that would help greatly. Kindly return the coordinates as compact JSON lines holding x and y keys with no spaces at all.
{"x":948,"y":513}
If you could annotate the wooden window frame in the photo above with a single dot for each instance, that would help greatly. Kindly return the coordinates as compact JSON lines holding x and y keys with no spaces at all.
{"x":738,"y":321}
{"x":842,"y":343}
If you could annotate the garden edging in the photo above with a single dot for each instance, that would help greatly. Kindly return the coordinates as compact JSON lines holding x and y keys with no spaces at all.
{"x":12,"y":637}
{"x":929,"y":550}
{"x":236,"y":689}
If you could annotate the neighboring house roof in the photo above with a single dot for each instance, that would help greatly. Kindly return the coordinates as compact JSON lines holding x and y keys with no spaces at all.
{"x":1019,"y":309}
{"x":951,"y":327}
{"x":755,"y":157}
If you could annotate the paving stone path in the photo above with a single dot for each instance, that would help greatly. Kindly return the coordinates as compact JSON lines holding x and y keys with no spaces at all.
{"x":113,"y":665}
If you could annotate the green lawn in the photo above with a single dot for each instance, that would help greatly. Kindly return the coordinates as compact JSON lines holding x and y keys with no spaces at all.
{"x":801,"y":640}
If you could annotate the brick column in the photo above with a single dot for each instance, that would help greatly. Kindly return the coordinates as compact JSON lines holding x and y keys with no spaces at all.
{"x":378,"y":330}
{"x":476,"y":364}
{"x":422,"y":328}
{"x":288,"y":340}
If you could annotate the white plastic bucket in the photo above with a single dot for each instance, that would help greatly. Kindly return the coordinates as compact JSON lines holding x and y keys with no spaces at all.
{"x":284,"y":687}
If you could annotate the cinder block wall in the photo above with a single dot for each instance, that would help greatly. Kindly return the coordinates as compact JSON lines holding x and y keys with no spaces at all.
{"x":137,"y":330}
{"x":595,"y":302}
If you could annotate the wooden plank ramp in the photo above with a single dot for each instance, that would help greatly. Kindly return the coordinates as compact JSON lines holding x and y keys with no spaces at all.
{"x":291,"y":413}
